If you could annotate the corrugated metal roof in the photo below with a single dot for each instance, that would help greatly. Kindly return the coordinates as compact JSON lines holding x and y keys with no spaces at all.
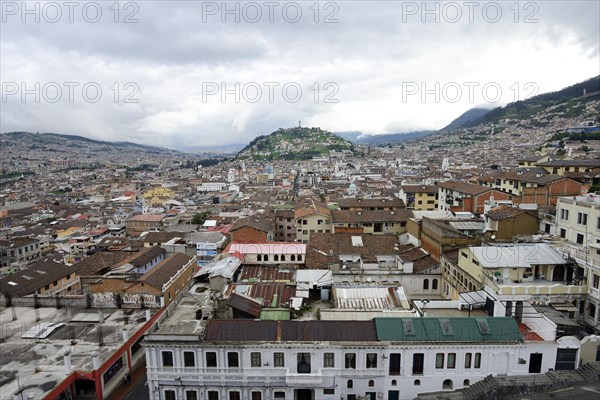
{"x":468,"y":225}
{"x":368,"y":298}
{"x":492,"y":329}
{"x":306,"y":278}
{"x":339,"y":331}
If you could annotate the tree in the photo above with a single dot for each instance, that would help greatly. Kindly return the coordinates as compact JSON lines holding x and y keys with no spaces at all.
{"x":199,"y":218}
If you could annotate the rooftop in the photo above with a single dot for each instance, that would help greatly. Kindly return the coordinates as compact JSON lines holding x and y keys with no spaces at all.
{"x":37,"y":364}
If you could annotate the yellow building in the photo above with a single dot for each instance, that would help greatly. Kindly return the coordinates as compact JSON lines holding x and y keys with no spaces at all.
{"x":420,"y":197}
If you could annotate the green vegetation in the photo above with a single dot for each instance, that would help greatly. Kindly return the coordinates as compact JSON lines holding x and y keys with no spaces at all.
{"x":294,"y":144}
{"x":200,"y":218}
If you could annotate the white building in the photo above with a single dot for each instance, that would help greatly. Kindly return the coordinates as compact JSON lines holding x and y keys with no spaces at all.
{"x":212,"y":186}
{"x":578,"y":219}
{"x":383,"y":358}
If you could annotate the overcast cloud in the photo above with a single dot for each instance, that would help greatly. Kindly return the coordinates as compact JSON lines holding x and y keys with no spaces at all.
{"x":369,"y":67}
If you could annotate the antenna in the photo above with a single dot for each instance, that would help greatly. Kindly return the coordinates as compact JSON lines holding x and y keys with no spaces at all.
{"x":299,"y":125}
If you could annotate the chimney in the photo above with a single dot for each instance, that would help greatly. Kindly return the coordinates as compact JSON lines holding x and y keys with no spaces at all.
{"x":100,"y":316}
{"x":125,"y":334}
{"x":67,"y":360}
{"x":96,"y":361}
{"x":148,"y":315}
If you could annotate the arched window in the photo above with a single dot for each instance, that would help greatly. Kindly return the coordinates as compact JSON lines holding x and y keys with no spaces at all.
{"x":371,"y":383}
{"x":266,"y":257}
{"x":299,"y":257}
{"x":350,"y":384}
{"x":394,"y":383}
{"x":283,"y":257}
{"x":447,"y":384}
{"x":417,"y":382}
{"x":426,"y":284}
{"x":293,"y":257}
{"x":466,"y":383}
{"x":434,"y":284}
{"x":259,"y":257}
{"x":276,"y":257}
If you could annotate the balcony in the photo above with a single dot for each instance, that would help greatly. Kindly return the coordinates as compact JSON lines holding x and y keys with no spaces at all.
{"x":304,"y":380}
{"x":534,"y":287}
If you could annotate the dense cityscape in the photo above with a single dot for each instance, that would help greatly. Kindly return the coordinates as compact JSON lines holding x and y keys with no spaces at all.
{"x":284,"y":200}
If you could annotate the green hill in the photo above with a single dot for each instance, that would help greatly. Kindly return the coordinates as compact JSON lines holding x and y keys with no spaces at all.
{"x":294,"y":144}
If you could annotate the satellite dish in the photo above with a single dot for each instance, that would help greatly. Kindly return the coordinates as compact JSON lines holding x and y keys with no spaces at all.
{"x":493,"y":237}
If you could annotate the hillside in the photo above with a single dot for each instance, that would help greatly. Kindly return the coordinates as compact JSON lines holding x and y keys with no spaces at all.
{"x":294,"y":144}
{"x":469,"y":118}
{"x":567,"y":102}
{"x":53,"y":146}
{"x":557,"y":123}
{"x":382,"y":139}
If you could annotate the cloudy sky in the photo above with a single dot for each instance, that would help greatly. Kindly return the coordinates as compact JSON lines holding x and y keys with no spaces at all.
{"x":192,"y":73}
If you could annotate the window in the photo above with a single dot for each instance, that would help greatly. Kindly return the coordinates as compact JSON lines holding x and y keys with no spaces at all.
{"x":579,"y":238}
{"x":394,"y":364}
{"x":350,"y":361}
{"x":371,"y":383}
{"x":189,"y":359}
{"x":466,"y":383}
{"x":278,"y":360}
{"x":477,"y":362}
{"x":167,"y":358}
{"x":564,"y":214}
{"x":439,"y":360}
{"x":418,"y":361}
{"x":234,"y":396}
{"x":213,"y":395}
{"x":170,"y":395}
{"x":304,"y":363}
{"x":256,"y":396}
{"x":191,"y":395}
{"x":426,"y":284}
{"x":468,"y":360}
{"x":371,"y":360}
{"x":350,"y":384}
{"x":592,"y":311}
{"x":255,"y":359}
{"x":328,"y":360}
{"x":299,"y":257}
{"x":434,"y":284}
{"x":328,"y":391}
{"x":582,"y":218}
{"x":211,"y":359}
{"x":563,"y":233}
{"x":417,"y":382}
{"x":351,"y":397}
{"x":279,"y":395}
{"x":596,"y":282}
{"x":233,"y":359}
{"x":451,"y":360}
